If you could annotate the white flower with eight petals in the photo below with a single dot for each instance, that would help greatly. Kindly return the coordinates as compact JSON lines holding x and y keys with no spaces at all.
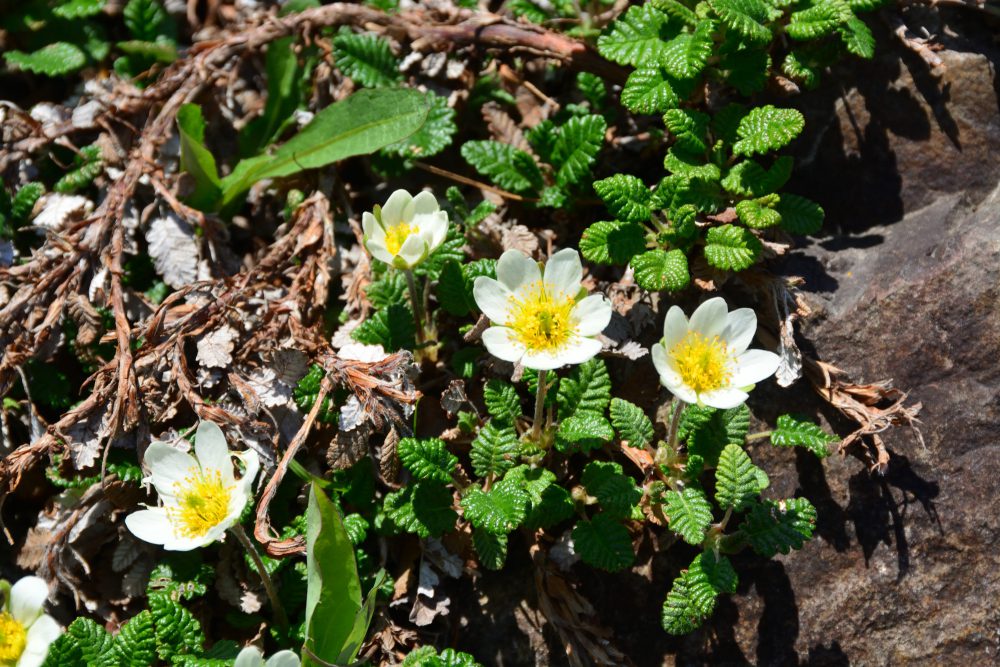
{"x":26,"y":632}
{"x":406,"y":230}
{"x":541,"y":320}
{"x":201,"y":496}
{"x":706,"y":360}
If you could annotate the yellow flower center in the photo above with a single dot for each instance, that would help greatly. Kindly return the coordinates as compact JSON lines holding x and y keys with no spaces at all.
{"x":541,"y":320}
{"x":202,"y":503}
{"x":13,"y":637}
{"x":701,"y":362}
{"x":396,"y":236}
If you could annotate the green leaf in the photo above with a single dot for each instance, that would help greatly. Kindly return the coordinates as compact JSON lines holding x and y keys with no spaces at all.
{"x":508,"y":167}
{"x":603,"y":543}
{"x":367,"y":59}
{"x":592,"y":88}
{"x":689,"y":513}
{"x":746,"y":69}
{"x":617,"y":493}
{"x":759,"y":213}
{"x":613,"y":242}
{"x":858,"y":38}
{"x":774,"y":527}
{"x":78,"y":9}
{"x":819,"y":20}
{"x":631,"y":422}
{"x":24,"y":201}
{"x":135,"y":643}
{"x":707,"y":431}
{"x":427,"y":458}
{"x":731,"y":248}
{"x":451,"y":289}
{"x":800,"y":215}
{"x":707,"y":577}
{"x":147,"y":20}
{"x":689,"y":128}
{"x":626,"y":197}
{"x":357,"y":528}
{"x":393,"y":328}
{"x":494,"y":450}
{"x":333,"y":597}
{"x":651,"y":90}
{"x":549,"y":503}
{"x":584,"y":429}
{"x":677,"y":10}
{"x":196,"y":160}
{"x":177,"y":631}
{"x":767,"y":129}
{"x":792,"y":432}
{"x":424,"y":508}
{"x":638,"y":37}
{"x":800,"y":66}
{"x":867,"y":5}
{"x":490,"y":547}
{"x":658,"y":270}
{"x":500,"y":510}
{"x":735,"y":479}
{"x":542,"y":138}
{"x":576,"y":147}
{"x":502,"y":401}
{"x":680,"y":615}
{"x":586,"y":389}
{"x":686,"y":55}
{"x":283,"y":96}
{"x":746,"y":18}
{"x":726,"y":122}
{"x":690,"y":165}
{"x":55,"y":59}
{"x":749,"y":179}
{"x":84,"y":644}
{"x":433,"y":136}
{"x":361,"y":124}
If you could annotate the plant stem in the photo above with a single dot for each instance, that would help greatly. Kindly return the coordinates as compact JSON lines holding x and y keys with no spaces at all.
{"x":674,"y":423}
{"x":272,"y":592}
{"x":418,"y":306}
{"x":759,"y":436}
{"x":536,"y":427}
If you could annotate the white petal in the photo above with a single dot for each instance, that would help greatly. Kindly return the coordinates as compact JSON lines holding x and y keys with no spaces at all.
{"x":741,"y":325}
{"x":659,"y":356}
{"x":438,"y":227}
{"x":723,"y":399}
{"x":370,"y":226}
{"x":681,"y":391}
{"x":395,"y":208}
{"x":212,"y":451}
{"x":563,"y":272}
{"x":27,"y":599}
{"x":500,"y":342}
{"x":675,"y":327}
{"x":249,"y":657}
{"x":515,"y":269}
{"x":40,"y":636}
{"x":753,"y":366}
{"x":492,"y":298}
{"x":425,"y":203}
{"x":167,"y":467}
{"x":578,"y":350}
{"x":709,"y":319}
{"x":669,"y":377}
{"x":284,"y":658}
{"x":593,"y":314}
{"x":151,"y":525}
{"x":542,"y":360}
{"x":412,"y":252}
{"x":252,"y":462}
{"x":378,"y":250}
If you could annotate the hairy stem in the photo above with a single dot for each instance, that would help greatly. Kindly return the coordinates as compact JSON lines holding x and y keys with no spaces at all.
{"x":536,"y":427}
{"x":418,"y":307}
{"x":674,"y":423}
{"x":759,"y":436}
{"x":272,"y":592}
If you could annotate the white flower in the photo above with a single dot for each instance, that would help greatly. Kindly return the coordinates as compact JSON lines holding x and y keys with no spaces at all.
{"x":406,"y":230}
{"x":25,"y":630}
{"x":706,"y":360}
{"x":541,"y":321}
{"x":252,"y":657}
{"x":201,"y":497}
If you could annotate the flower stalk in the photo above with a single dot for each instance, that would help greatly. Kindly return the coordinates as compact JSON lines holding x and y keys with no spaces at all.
{"x":272,"y":593}
{"x":418,"y":308}
{"x":536,"y":427}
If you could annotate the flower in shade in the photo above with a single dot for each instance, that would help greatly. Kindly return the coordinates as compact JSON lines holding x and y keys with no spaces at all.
{"x":541,"y":319}
{"x":406,"y":230}
{"x":252,"y":657}
{"x":200,"y":495}
{"x":706,"y":360}
{"x":26,"y":631}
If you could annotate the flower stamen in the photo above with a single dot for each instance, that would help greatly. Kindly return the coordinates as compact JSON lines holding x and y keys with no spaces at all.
{"x":541,"y":320}
{"x":202,"y":503}
{"x":396,"y":236}
{"x":702,"y":362}
{"x":13,"y":639}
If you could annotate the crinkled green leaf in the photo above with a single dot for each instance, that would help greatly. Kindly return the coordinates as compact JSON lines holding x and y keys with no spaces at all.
{"x":637,"y":37}
{"x":393,"y":328}
{"x":604,"y":543}
{"x":748,"y":18}
{"x":55,"y":59}
{"x":427,"y":458}
{"x":616,"y":492}
{"x":508,"y":167}
{"x":367,"y":59}
{"x":800,"y":215}
{"x":731,"y":248}
{"x":612,"y":242}
{"x":631,"y":422}
{"x":658,"y":270}
{"x":792,"y":432}
{"x":774,"y":527}
{"x":576,"y":147}
{"x":626,"y":197}
{"x":490,"y":547}
{"x":767,"y":129}
{"x":586,"y":389}
{"x":500,"y":510}
{"x":759,"y":213}
{"x":689,"y":513}
{"x":495,"y":449}
{"x":736,"y":482}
